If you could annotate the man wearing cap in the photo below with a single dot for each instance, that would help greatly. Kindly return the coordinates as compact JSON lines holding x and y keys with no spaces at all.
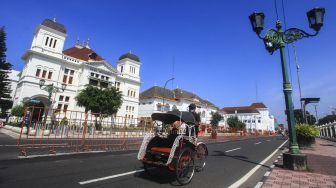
{"x":192,"y":109}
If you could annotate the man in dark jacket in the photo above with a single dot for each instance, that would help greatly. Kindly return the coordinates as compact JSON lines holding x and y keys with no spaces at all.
{"x":192,"y":109}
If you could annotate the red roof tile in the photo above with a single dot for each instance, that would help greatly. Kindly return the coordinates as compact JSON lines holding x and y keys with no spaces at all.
{"x":83,"y":53}
{"x":244,"y":109}
{"x":258,"y":105}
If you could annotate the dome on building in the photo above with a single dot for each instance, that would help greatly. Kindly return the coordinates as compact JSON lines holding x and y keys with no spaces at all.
{"x":129,"y":55}
{"x":54,"y":25}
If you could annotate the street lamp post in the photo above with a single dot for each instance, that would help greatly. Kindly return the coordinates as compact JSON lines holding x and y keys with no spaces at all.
{"x":164,"y":92}
{"x":275,"y":39}
{"x":50,"y":88}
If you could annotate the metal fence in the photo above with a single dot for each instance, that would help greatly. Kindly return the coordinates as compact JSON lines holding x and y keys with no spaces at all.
{"x":45,"y":131}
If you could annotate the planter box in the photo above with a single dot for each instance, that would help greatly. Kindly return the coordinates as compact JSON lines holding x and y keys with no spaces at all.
{"x":46,"y":132}
{"x":32,"y":132}
{"x":305,"y":141}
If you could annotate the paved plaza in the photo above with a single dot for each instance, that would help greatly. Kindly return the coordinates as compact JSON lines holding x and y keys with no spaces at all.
{"x":321,"y":173}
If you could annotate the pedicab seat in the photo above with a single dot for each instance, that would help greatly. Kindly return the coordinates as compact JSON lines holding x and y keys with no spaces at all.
{"x":160,"y":150}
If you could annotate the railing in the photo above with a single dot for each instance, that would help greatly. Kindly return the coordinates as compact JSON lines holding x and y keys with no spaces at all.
{"x":46,"y":131}
{"x":328,"y":130}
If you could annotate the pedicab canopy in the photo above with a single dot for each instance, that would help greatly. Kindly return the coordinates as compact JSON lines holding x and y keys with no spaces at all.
{"x":172,"y":116}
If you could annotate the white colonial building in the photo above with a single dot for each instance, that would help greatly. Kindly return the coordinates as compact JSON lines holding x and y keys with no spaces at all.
{"x":76,"y":67}
{"x":256,"y":116}
{"x":158,"y":99}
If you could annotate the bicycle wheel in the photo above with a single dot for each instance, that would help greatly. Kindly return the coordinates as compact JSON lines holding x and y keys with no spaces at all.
{"x":185,"y":166}
{"x":200,"y":157}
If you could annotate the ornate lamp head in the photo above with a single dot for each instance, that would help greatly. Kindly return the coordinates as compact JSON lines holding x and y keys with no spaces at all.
{"x":63,"y":86}
{"x":42,"y":82}
{"x":315,"y":18}
{"x":257,"y":21}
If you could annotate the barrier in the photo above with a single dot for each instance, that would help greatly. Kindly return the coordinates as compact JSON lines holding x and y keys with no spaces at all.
{"x":50,"y":131}
{"x":45,"y":131}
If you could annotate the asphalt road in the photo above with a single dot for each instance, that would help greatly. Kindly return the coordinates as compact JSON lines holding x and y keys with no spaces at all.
{"x":227,"y":163}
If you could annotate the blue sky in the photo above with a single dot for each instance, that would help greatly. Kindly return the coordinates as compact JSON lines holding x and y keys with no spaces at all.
{"x":215,"y":52}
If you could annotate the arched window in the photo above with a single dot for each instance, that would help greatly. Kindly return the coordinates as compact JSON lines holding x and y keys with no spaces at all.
{"x":46,"y":42}
{"x":203,"y":114}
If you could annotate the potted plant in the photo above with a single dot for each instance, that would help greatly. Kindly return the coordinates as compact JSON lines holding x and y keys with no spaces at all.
{"x":306,"y":134}
{"x":216,"y":118}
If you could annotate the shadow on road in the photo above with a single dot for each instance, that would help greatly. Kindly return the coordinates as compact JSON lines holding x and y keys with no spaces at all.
{"x":158,"y":175}
{"x":217,"y":153}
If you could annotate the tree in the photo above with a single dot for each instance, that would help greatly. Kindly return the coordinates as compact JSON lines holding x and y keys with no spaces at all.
{"x":86,"y":98}
{"x":234,"y":122}
{"x":18,"y":110}
{"x":101,"y":102}
{"x":5,"y":67}
{"x":327,"y":119}
{"x":301,"y":120}
{"x":215,"y":119}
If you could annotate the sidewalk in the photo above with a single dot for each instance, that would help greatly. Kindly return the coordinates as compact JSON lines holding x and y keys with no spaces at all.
{"x":322,"y":169}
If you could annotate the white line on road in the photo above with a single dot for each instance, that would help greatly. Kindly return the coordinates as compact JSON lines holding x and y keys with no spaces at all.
{"x":251,"y":172}
{"x":257,"y":143}
{"x":259,"y":184}
{"x":9,"y":145}
{"x":268,"y":140}
{"x":267,"y":173}
{"x":110,"y":177}
{"x":232,"y":150}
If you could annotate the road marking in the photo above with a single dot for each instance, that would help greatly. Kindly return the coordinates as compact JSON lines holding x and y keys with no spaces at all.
{"x":14,"y":145}
{"x":268,"y":140}
{"x":73,"y":153}
{"x":267,"y":173}
{"x":257,"y":143}
{"x":259,"y":184}
{"x":110,"y":177}
{"x":272,"y":166}
{"x":251,"y":172}
{"x":232,"y":150}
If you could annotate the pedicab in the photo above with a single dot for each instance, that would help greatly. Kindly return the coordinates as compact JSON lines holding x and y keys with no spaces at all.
{"x":176,"y":150}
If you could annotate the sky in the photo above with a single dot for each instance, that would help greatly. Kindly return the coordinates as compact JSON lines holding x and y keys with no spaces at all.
{"x":207,"y":45}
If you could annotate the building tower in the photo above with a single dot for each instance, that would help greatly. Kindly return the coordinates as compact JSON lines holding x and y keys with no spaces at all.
{"x":42,"y":61}
{"x":128,"y":81}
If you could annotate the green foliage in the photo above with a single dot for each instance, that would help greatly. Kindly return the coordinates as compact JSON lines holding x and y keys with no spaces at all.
{"x":306,"y":130}
{"x":101,"y":102}
{"x":234,"y":122}
{"x":96,"y":100}
{"x":175,"y":109}
{"x":215,"y":119}
{"x":5,"y":105}
{"x":300,"y":120}
{"x":327,"y":119}
{"x":64,"y":121}
{"x":5,"y":67}
{"x":18,"y":110}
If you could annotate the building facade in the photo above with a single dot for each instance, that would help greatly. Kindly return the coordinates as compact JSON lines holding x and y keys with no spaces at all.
{"x":157,"y":99}
{"x":76,"y":67}
{"x":256,"y":116}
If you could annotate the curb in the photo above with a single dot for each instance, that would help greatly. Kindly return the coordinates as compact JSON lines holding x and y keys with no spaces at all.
{"x":266,"y":175}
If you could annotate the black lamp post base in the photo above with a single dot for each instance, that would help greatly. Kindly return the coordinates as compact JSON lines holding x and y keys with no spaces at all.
{"x":297,"y":162}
